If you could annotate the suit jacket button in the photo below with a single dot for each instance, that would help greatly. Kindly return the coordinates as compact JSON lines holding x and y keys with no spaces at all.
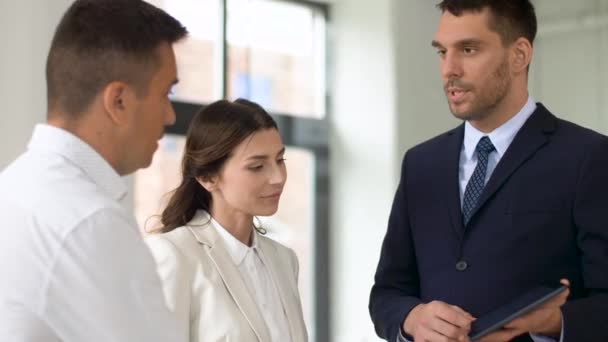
{"x":461,"y":265}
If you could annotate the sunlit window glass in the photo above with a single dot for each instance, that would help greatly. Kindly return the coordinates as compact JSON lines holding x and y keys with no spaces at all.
{"x":198,"y":56}
{"x":276,"y":55}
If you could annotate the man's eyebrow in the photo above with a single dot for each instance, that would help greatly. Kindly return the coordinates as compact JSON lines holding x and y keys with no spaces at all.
{"x":436,"y":44}
{"x":468,"y":42}
{"x":460,"y":43}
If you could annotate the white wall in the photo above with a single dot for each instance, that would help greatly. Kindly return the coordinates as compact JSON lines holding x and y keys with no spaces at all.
{"x":26,"y":29}
{"x":422,"y":107}
{"x":570,"y":69}
{"x":362,"y":152}
{"x":387,"y":97}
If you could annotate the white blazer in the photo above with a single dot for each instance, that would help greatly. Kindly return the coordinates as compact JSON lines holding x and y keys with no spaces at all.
{"x":205,"y":290}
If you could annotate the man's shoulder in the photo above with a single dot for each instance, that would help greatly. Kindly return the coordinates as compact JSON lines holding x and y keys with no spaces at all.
{"x":436,"y":144}
{"x":560,"y":128}
{"x":571,"y":130}
{"x":52,"y":191}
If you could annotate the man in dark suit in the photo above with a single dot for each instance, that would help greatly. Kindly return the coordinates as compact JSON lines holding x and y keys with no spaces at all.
{"x":512,"y":198}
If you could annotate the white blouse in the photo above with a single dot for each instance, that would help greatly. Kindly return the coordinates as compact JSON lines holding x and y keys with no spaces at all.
{"x":251,"y":264}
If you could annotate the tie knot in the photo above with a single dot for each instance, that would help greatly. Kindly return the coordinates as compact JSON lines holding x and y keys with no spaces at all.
{"x":484,"y":146}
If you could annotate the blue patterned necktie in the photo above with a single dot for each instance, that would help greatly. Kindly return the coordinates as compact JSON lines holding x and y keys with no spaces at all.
{"x":477,"y":181}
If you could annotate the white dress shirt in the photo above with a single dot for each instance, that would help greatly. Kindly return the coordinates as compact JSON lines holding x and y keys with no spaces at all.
{"x":501,"y":138}
{"x":251,"y":264}
{"x":74,"y":267}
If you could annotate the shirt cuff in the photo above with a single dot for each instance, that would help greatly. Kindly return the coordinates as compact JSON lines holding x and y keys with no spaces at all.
{"x":401,"y":338}
{"x":541,"y":338}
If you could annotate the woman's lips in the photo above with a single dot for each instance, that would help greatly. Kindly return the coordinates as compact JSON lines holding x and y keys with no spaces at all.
{"x":273,"y":195}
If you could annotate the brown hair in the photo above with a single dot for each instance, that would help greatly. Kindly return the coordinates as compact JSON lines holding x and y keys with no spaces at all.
{"x":214,"y":133}
{"x":511,"y":19}
{"x":100,"y":41}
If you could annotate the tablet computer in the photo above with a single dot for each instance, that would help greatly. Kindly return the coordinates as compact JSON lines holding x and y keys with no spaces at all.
{"x":521,"y":305}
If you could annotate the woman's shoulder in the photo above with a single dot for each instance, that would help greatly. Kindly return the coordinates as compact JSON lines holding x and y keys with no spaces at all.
{"x":179,"y":240}
{"x":183,"y":236}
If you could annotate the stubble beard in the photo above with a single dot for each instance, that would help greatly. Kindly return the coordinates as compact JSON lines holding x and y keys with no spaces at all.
{"x":489,"y":99}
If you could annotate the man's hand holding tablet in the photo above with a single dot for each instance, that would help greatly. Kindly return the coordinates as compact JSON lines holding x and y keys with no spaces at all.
{"x":536,"y":312}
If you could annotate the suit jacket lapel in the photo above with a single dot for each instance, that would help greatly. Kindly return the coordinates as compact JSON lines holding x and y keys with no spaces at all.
{"x":531,"y":137}
{"x":281,"y":275}
{"x":449,"y":185}
{"x":231,"y":276}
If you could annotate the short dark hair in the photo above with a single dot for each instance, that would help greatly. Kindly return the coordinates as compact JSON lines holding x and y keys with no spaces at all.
{"x":511,"y":19}
{"x":100,"y":41}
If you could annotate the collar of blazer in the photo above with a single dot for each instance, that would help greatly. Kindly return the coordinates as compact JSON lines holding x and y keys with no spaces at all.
{"x":531,"y":137}
{"x":280,"y":271}
{"x":203,"y":232}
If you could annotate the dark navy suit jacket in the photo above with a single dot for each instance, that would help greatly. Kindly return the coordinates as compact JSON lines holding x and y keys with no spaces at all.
{"x":542,"y":216}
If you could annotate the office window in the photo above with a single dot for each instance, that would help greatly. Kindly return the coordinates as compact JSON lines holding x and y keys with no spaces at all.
{"x":276,"y":56}
{"x":153,"y":185}
{"x":271,"y":52}
{"x":198,"y":56}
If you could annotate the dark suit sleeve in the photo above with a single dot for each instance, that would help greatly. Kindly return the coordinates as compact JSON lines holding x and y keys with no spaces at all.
{"x":587,"y":319}
{"x":396,"y":288}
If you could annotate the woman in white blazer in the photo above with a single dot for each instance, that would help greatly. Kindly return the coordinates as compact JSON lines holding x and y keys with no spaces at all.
{"x":223,"y":279}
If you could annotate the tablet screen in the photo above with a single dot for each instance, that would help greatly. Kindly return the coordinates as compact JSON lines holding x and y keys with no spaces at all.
{"x":519,"y":306}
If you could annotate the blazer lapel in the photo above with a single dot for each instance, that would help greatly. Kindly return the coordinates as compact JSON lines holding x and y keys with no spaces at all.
{"x":449,"y":186}
{"x":281,"y":275}
{"x":530,"y":138}
{"x":231,"y":276}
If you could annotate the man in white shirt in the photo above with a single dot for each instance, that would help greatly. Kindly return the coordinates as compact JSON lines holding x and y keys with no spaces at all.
{"x":74,"y":267}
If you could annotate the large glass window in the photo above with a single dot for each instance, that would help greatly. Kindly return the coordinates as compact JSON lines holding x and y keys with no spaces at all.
{"x":198,"y":57}
{"x":152,"y":186}
{"x":276,"y":54}
{"x":271,"y":52}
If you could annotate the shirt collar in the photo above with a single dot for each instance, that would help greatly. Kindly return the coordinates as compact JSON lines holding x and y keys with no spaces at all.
{"x":47,"y":138}
{"x":237,"y":250}
{"x":502,"y":136}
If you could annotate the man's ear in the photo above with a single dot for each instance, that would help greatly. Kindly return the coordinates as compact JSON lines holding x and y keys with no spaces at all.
{"x":521,"y":55}
{"x":117,"y":100}
{"x":209,"y":183}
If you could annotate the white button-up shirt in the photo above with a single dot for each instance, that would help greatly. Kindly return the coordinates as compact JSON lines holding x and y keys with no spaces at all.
{"x":73,"y":265}
{"x":501,"y":138}
{"x":255,"y":273}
